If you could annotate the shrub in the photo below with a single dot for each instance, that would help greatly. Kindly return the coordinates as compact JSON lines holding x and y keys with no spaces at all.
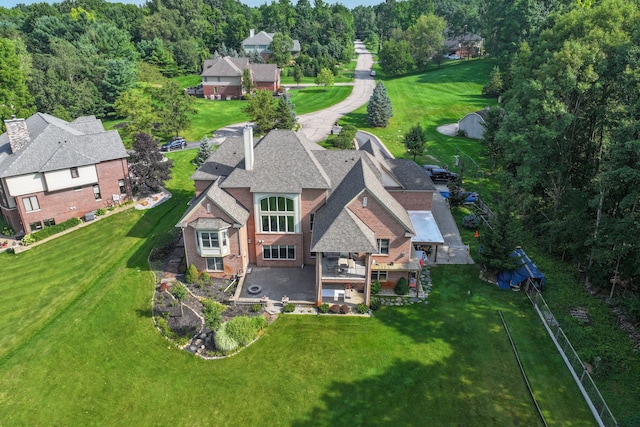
{"x":50,"y":231}
{"x":323,"y":308}
{"x":224,"y":343}
{"x":376,"y":303}
{"x":192,"y":274}
{"x":7,"y":231}
{"x":402,"y":288}
{"x":100,"y":211}
{"x":362,"y":308}
{"x":376,"y":287}
{"x":256,"y":308}
{"x":243,"y":329}
{"x":180,"y":292}
{"x":471,"y":221}
{"x":345,"y":309}
{"x":212,"y":313}
{"x":289,"y":308}
{"x":335,"y":309}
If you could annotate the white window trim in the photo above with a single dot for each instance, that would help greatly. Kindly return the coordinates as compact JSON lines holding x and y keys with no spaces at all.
{"x":258,"y":216}
{"x":207,"y":263}
{"x":379,"y":243}
{"x":295,"y":255}
{"x":221,"y":251}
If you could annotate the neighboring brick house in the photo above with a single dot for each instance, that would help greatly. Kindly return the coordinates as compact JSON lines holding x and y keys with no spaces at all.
{"x":261,"y":43}
{"x":52,"y":170}
{"x":222,"y":77}
{"x":286,"y":202}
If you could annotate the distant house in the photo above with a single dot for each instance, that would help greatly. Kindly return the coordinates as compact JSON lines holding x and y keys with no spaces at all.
{"x":222,"y":77}
{"x":261,"y":43}
{"x":345,"y":213}
{"x":472,"y":124}
{"x":464,"y":46}
{"x":52,"y":170}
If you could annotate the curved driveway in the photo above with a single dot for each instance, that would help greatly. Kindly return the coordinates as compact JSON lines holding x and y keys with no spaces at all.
{"x":316,"y":126}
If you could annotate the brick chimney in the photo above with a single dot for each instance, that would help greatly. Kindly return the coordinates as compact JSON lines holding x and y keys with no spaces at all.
{"x":248,"y":147}
{"x":17,"y":132}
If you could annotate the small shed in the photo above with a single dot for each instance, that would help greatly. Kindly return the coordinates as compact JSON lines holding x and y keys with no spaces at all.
{"x":527,"y":273}
{"x":472,"y":125}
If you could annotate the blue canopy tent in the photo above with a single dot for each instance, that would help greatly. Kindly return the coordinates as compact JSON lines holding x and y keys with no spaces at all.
{"x":525,"y":273}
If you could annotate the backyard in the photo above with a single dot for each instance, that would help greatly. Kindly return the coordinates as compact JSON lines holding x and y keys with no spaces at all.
{"x":83,"y":348}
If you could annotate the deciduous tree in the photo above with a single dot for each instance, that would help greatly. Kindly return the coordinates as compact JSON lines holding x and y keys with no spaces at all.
{"x":147,"y":166}
{"x":414,"y":141}
{"x":324,"y":78}
{"x":261,"y":108}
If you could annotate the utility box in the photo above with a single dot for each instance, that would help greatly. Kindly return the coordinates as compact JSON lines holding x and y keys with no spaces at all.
{"x":89,"y":217}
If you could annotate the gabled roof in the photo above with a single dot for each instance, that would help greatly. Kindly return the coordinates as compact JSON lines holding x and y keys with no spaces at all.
{"x":57,"y":144}
{"x":360,"y":179}
{"x":264,"y":38}
{"x":224,"y":67}
{"x":223,"y":200}
{"x":283,"y":164}
{"x":264,"y":72}
{"x":223,"y":161}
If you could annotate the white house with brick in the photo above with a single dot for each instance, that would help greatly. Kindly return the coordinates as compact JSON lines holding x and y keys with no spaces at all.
{"x":283,"y":201}
{"x":52,"y":170}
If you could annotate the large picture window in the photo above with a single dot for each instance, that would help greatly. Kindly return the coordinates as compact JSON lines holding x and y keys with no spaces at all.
{"x":383,"y":246}
{"x":215,"y":264}
{"x":279,"y":252}
{"x":277,"y":214}
{"x":30,"y":203}
{"x":213,"y":242}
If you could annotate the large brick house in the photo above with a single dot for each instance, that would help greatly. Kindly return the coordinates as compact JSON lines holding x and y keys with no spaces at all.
{"x":52,"y":170}
{"x":286,"y":202}
{"x":222,"y":77}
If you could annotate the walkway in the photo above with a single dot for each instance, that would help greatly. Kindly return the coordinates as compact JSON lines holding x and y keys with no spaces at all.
{"x":453,"y":251}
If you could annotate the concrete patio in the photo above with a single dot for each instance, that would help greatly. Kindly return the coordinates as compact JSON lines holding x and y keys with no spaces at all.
{"x":298,"y":284}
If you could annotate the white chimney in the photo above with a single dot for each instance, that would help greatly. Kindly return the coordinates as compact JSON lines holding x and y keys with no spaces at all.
{"x":248,"y":147}
{"x":252,"y":32}
{"x":17,"y":132}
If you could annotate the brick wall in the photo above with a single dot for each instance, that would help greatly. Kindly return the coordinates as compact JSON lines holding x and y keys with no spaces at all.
{"x":385,"y":226}
{"x":65,"y":204}
{"x":414,"y":200}
{"x":223,"y":91}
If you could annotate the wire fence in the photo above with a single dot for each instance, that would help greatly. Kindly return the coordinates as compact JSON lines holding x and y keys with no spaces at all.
{"x":589,"y":390}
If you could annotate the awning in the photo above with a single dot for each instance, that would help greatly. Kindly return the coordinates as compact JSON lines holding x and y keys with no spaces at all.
{"x":427,"y":230}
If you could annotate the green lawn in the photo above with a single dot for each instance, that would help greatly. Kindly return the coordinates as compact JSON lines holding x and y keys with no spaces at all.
{"x":345,"y":75}
{"x":310,"y":99}
{"x":440,"y":96}
{"x":80,"y":348}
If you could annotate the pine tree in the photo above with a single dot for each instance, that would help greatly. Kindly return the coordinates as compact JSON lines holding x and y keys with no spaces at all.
{"x":493,"y":88}
{"x":203,"y":152}
{"x":285,"y":116}
{"x":499,"y":241}
{"x":379,"y":110}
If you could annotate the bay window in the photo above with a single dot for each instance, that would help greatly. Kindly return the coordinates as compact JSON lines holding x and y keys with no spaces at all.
{"x":212,"y":242}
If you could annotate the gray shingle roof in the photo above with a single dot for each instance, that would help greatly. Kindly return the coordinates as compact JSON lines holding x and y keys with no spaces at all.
{"x":345,"y":233}
{"x":264,"y":38}
{"x":264,"y":72}
{"x":283,"y":164}
{"x":222,"y":200}
{"x":223,"y":161}
{"x":57,"y":144}
{"x":410,"y":175}
{"x":227,"y":67}
{"x":360,"y":178}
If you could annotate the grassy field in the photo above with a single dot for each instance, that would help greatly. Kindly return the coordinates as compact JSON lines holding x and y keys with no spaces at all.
{"x":80,"y":348}
{"x":345,"y":74}
{"x":440,"y":96}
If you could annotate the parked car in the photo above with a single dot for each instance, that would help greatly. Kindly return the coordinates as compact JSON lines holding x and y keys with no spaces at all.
{"x":438,"y":174}
{"x":372,"y":73}
{"x":176,"y":143}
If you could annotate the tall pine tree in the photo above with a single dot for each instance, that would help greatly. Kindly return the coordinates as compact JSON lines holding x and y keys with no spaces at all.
{"x":379,"y":110}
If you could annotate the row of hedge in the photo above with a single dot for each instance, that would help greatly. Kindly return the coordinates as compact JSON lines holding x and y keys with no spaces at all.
{"x":37,"y":236}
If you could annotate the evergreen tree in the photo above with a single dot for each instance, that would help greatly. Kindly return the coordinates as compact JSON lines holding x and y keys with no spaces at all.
{"x":379,"y":110}
{"x":493,"y":88}
{"x":203,"y":152}
{"x":285,"y":116}
{"x":297,"y":74}
{"x":491,"y":124}
{"x":499,"y":239}
{"x":247,"y":81}
{"x":147,"y":166}
{"x":414,"y":141}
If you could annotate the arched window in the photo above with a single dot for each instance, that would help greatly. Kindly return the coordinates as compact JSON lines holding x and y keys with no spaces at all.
{"x":277,"y":214}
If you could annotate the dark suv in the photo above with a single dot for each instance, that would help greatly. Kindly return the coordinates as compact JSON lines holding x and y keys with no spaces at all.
{"x":176,"y":143}
{"x":438,"y":174}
